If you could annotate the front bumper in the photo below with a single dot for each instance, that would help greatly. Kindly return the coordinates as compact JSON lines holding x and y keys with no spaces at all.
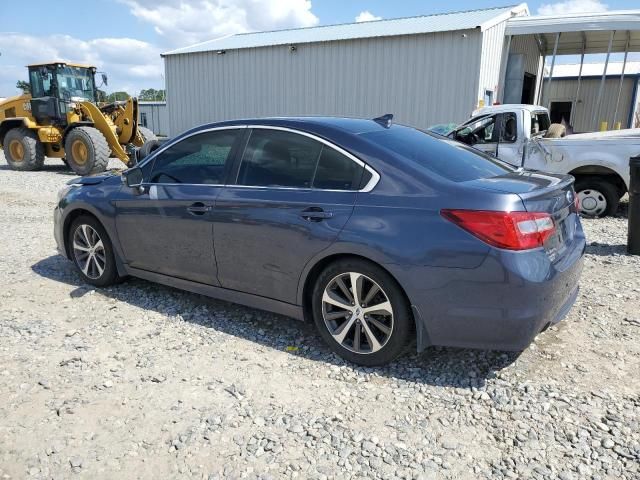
{"x":500,"y":305}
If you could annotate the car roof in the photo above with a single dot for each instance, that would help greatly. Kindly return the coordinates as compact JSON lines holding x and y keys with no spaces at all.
{"x":353,"y":126}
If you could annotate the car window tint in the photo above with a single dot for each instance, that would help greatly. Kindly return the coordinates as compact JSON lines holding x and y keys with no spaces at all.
{"x":201,"y":158}
{"x":275,"y":158}
{"x":336,"y":171}
{"x":447,"y":158}
{"x":509,"y":128}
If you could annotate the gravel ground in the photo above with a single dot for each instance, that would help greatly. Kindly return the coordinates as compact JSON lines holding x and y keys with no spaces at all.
{"x":144,"y":381}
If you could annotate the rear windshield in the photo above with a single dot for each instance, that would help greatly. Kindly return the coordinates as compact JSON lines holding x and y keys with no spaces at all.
{"x":444,"y":157}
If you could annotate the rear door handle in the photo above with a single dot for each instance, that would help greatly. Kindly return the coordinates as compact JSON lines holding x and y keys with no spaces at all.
{"x":315,"y":214}
{"x":198,"y":208}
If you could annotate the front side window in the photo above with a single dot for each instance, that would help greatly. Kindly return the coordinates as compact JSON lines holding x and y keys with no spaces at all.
{"x":203,"y":158}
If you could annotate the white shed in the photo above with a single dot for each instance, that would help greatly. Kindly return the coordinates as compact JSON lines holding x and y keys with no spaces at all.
{"x":425,"y":70}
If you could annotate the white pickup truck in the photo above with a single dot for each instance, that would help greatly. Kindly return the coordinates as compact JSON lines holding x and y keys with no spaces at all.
{"x":520,"y":135}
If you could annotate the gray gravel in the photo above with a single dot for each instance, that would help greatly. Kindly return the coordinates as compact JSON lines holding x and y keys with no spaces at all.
{"x":143,"y":381}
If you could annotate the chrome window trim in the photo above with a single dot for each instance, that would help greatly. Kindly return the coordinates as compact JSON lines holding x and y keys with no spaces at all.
{"x":175,"y":141}
{"x":375,"y":176}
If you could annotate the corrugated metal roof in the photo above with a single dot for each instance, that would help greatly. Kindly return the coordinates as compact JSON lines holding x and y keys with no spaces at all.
{"x":381,"y":28}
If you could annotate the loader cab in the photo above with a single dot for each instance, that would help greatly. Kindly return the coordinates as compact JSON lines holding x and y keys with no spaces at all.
{"x":56,"y":87}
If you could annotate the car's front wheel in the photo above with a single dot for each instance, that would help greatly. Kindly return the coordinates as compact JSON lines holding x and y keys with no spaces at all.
{"x":361,"y":312}
{"x":92,"y":252}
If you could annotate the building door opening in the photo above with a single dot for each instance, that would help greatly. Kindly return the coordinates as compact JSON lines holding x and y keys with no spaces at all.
{"x":560,"y":112}
{"x":528,"y":88}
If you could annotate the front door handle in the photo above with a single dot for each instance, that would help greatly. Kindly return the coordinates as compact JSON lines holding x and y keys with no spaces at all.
{"x":315,"y":214}
{"x":198,"y":208}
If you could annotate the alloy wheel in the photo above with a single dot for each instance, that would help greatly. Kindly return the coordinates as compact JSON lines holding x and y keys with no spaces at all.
{"x":89,"y":252}
{"x":357,"y":312}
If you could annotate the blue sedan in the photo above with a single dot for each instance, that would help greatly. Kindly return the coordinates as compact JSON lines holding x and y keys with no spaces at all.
{"x":379,"y":233}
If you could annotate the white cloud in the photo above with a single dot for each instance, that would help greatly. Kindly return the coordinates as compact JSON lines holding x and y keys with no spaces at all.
{"x":140,"y":67}
{"x":366,"y":16}
{"x":183,"y":22}
{"x":573,"y":6}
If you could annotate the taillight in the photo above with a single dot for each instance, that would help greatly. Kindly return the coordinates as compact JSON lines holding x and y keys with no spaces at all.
{"x":576,"y":201}
{"x":509,"y":230}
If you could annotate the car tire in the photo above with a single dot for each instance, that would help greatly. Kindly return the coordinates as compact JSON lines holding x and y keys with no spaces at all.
{"x":357,"y":335}
{"x":98,"y":267}
{"x":598,"y":197}
{"x":86,"y":150}
{"x":23,"y":150}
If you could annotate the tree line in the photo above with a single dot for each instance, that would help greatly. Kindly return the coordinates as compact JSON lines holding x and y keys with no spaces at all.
{"x":145,"y":95}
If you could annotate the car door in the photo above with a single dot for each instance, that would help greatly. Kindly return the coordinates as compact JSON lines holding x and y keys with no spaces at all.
{"x":292,"y":196}
{"x":166,"y":226}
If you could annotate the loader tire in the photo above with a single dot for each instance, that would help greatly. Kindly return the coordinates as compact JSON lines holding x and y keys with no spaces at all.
{"x":86,"y":150}
{"x":23,"y":150}
{"x":146,"y":134}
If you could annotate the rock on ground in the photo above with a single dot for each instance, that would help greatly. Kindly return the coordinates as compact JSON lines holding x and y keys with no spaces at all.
{"x":143,"y":381}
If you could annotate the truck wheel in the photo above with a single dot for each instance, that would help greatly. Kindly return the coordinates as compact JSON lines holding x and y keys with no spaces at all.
{"x":86,"y":150}
{"x":147,"y":134}
{"x":598,"y":197}
{"x":23,"y":150}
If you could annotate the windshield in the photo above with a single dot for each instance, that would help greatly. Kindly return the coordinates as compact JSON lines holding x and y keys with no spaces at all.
{"x":75,"y":83}
{"x":449,"y":159}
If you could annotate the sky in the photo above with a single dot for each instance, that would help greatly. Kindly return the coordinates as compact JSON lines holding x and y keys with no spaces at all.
{"x":124,"y":38}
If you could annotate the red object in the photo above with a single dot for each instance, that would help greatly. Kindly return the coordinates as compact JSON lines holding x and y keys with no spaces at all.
{"x":508,"y":230}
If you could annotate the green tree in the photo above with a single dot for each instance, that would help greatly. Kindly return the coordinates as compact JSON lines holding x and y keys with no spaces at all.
{"x":117,"y":96}
{"x":24,"y":86}
{"x":152,"y":95}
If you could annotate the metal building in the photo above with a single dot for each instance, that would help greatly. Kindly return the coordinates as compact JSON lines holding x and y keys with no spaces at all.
{"x":155,"y":117}
{"x":424,"y":70}
{"x":575,"y":106}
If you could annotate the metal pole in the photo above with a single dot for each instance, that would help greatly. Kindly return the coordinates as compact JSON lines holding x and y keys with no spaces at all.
{"x":503,"y":70}
{"x":540,"y":81}
{"x":624,"y":64}
{"x":604,"y":76}
{"x":575,"y":103}
{"x":633,"y":235}
{"x":553,"y":64}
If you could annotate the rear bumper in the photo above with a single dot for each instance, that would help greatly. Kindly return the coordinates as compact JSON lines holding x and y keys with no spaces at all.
{"x":502,"y":304}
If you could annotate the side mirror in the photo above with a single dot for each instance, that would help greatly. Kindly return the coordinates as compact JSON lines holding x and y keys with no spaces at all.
{"x":104,"y":79}
{"x":132,"y":177}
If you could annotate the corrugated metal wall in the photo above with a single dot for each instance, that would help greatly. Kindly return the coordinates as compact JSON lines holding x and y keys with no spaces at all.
{"x":527,"y":45}
{"x":421,"y":79}
{"x":491,"y":54}
{"x":157,"y":117}
{"x":564,"y":90}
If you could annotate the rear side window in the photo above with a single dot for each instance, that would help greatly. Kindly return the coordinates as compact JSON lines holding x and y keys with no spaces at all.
{"x":336,"y":171}
{"x":274,"y":158}
{"x":447,"y":158}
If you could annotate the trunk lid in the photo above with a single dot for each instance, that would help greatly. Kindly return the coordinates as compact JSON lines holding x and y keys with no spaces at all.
{"x":544,"y":193}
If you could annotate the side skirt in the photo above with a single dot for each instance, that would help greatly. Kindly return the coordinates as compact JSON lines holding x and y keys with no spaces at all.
{"x":233,"y":296}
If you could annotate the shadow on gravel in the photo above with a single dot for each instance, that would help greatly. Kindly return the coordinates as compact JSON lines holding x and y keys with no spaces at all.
{"x":451,"y":367}
{"x":605,"y":249}
{"x":57,"y":168}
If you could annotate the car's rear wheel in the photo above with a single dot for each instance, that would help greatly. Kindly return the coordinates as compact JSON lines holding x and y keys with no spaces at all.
{"x":361,"y":312}
{"x":92,"y":252}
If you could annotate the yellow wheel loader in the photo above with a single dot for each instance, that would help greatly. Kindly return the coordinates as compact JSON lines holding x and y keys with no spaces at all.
{"x":62,"y":118}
